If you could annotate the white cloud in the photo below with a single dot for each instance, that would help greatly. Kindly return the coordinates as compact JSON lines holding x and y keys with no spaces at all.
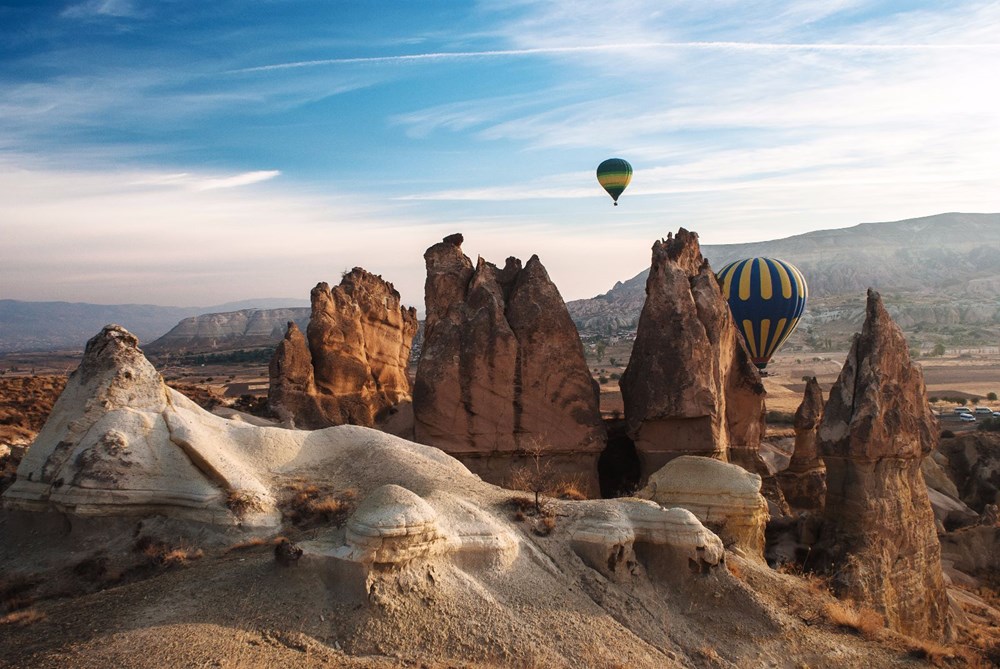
{"x":98,"y":8}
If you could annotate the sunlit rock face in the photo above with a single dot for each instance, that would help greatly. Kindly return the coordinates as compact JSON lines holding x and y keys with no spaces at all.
{"x":502,"y":370}
{"x":723,"y":496}
{"x":878,"y":533}
{"x":803,"y":483}
{"x":119,"y":441}
{"x":350,"y":368}
{"x":690,"y":387}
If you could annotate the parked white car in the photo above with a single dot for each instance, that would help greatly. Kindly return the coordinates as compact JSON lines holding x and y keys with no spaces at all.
{"x":984,"y":410}
{"x":967,"y":418}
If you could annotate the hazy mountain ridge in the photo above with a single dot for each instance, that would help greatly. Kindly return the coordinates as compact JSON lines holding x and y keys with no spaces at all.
{"x":940,"y":275}
{"x":936,"y":271}
{"x":40,"y":326}
{"x":246,"y":328}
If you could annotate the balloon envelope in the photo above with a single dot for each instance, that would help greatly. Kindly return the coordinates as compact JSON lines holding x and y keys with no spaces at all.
{"x":767,"y":297}
{"x":614,"y":174}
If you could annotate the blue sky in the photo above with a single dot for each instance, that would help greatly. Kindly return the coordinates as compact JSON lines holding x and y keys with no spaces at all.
{"x":191,"y":153}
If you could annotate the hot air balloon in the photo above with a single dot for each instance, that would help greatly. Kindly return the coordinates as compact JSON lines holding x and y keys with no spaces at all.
{"x":767,"y":297}
{"x":614,"y":174}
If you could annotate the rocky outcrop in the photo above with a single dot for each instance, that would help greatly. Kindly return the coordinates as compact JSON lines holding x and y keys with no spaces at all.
{"x":614,"y":537}
{"x":973,"y":463}
{"x":351,"y":366}
{"x":502,"y":371}
{"x":803,"y":482}
{"x":119,"y":441}
{"x":725,"y":497}
{"x":690,"y":387}
{"x":878,"y":535}
{"x":247,"y":328}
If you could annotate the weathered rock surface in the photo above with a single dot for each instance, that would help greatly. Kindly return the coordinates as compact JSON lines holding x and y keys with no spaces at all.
{"x":502,"y":370}
{"x":120,"y":441}
{"x":434,"y":564}
{"x":351,"y":366}
{"x":615,"y":537}
{"x":879,"y":533}
{"x":803,"y":482}
{"x":973,"y":462}
{"x":690,"y":387}
{"x":723,"y":496}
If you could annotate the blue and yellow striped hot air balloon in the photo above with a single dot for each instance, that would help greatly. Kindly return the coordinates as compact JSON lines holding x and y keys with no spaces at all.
{"x":614,"y":175}
{"x":767,"y":297}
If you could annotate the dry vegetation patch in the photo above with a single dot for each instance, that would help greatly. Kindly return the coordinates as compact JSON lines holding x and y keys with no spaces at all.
{"x":309,"y":505}
{"x":161,"y":554}
{"x":848,"y":615}
{"x":22,"y":617}
{"x":242,"y":502}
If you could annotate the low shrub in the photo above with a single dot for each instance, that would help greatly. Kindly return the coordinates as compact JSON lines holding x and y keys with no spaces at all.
{"x":864,"y":621}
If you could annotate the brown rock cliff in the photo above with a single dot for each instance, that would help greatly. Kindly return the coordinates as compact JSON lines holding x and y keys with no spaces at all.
{"x":502,"y":369}
{"x":690,"y":387}
{"x":351,"y":366}
{"x":878,"y":535}
{"x":804,"y":481}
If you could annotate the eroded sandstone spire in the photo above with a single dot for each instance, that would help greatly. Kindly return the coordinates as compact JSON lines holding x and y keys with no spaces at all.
{"x":878,"y":534}
{"x":502,"y":370}
{"x":804,"y":481}
{"x":690,"y":387}
{"x":351,"y":365}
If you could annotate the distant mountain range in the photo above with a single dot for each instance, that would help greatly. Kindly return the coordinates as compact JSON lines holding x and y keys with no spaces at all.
{"x":940,"y":276}
{"x":46,"y":326}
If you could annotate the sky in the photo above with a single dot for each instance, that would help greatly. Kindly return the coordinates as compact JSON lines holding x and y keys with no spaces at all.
{"x":192,"y":153}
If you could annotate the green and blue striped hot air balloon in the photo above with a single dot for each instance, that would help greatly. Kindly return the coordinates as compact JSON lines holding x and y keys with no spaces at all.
{"x":767,"y":297}
{"x":614,"y":174}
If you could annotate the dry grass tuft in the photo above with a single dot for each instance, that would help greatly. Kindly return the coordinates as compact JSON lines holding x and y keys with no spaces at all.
{"x":931,"y":651}
{"x":253,"y":542}
{"x":22,"y":617}
{"x":181,"y":556}
{"x":309,"y":505}
{"x":161,"y":554}
{"x":568,"y":489}
{"x":544,"y":526}
{"x":242,"y":502}
{"x":864,"y":621}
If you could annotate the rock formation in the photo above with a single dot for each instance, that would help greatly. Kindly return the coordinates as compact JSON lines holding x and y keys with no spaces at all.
{"x":119,"y":441}
{"x":973,"y":462}
{"x":433,"y":564}
{"x":878,"y":534}
{"x":690,"y":387}
{"x":804,"y":481}
{"x":351,"y":366}
{"x":725,"y":497}
{"x":502,"y":371}
{"x":611,"y":537}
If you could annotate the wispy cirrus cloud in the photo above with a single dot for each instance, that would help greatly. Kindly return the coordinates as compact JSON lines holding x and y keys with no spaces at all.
{"x":199,"y":183}
{"x":101,"y":8}
{"x":628,"y":47}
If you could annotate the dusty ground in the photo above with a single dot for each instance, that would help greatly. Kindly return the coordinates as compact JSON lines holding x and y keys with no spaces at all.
{"x":240,"y":609}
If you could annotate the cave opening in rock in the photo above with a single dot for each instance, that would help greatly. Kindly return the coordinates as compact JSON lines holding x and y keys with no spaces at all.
{"x":618,"y":468}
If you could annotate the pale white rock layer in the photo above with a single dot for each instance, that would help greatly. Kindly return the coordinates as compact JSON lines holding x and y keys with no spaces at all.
{"x":723,"y":496}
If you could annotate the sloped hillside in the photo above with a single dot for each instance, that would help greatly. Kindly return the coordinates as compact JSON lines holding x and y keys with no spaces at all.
{"x":940,"y":276}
